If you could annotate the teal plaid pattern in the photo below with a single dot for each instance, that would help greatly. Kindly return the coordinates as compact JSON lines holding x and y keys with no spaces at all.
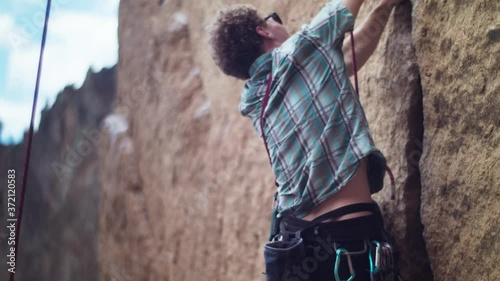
{"x":315,"y":127}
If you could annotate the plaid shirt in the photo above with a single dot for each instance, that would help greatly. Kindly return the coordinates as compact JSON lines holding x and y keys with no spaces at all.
{"x":315,"y":127}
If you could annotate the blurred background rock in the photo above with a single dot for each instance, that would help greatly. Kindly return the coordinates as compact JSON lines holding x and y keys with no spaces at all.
{"x":60,"y":218}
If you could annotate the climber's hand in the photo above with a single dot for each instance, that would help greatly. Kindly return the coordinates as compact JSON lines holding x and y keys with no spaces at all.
{"x":391,"y":3}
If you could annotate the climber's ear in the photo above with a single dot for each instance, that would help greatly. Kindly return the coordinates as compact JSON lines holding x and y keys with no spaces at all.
{"x":264,"y":32}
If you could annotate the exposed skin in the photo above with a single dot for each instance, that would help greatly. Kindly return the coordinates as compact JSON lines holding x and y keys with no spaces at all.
{"x":366,"y":37}
{"x":357,"y":190}
{"x":274,"y":35}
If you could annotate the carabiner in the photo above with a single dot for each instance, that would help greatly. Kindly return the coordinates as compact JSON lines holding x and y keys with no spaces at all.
{"x":384,"y":261}
{"x":377,"y":255}
{"x":340,"y":252}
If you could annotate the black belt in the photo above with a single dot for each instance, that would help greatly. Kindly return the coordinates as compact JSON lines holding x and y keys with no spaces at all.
{"x":359,"y":228}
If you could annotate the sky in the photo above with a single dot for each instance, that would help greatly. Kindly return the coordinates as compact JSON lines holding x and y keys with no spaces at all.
{"x":82,"y":34}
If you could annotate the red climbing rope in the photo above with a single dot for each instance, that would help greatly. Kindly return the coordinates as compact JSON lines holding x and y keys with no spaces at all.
{"x":30,"y":138}
{"x":354,"y":64}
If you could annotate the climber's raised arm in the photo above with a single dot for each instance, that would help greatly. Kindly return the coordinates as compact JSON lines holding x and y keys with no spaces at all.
{"x":333,"y":21}
{"x":353,"y":6}
{"x":367,"y":35}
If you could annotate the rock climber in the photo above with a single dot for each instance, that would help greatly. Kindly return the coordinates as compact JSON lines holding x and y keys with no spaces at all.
{"x":299,"y":98}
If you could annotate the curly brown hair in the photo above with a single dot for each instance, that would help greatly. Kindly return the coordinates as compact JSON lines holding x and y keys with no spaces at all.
{"x":234,"y":41}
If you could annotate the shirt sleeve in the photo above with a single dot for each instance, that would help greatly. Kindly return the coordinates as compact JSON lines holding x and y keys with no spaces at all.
{"x":330,"y":24}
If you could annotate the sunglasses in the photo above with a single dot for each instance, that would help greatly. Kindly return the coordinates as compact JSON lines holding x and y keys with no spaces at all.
{"x":275,"y":17}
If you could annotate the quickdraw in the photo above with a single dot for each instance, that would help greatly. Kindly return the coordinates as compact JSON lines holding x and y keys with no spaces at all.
{"x":381,"y":259}
{"x":383,"y":267}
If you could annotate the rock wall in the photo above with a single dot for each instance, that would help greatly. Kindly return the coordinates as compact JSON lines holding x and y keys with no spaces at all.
{"x":186,"y":187}
{"x":59,"y":229}
{"x":458,"y":53}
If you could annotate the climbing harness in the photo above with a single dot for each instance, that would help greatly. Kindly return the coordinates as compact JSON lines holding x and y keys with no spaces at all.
{"x":30,"y":138}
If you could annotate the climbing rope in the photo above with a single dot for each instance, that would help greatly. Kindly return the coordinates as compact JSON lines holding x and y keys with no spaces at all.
{"x":30,"y":138}
{"x":354,"y":64}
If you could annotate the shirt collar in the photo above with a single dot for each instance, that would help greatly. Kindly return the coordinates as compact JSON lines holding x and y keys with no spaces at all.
{"x":261,"y":66}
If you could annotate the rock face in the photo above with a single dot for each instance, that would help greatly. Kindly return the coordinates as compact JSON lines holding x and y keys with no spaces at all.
{"x":186,"y":187}
{"x":391,"y":94}
{"x":458,"y":51}
{"x":59,"y":232}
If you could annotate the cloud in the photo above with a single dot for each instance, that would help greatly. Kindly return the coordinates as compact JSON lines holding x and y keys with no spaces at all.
{"x":109,"y":6}
{"x":8,"y":29}
{"x":75,"y":41}
{"x":11,"y":115}
{"x":6,"y":24}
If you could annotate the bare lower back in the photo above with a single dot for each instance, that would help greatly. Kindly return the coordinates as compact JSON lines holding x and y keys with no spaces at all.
{"x":357,"y":190}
